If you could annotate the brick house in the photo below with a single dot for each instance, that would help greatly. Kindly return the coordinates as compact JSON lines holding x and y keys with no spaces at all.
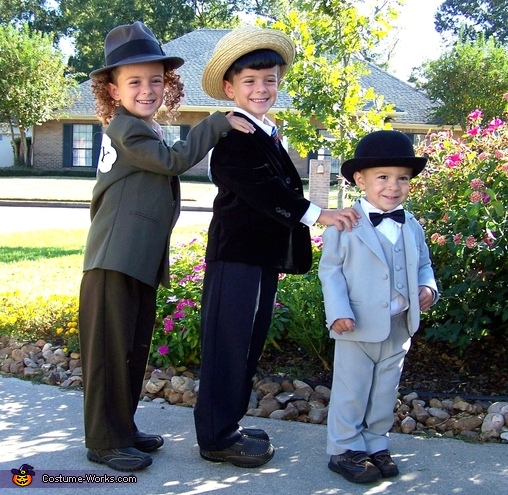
{"x":73,"y":142}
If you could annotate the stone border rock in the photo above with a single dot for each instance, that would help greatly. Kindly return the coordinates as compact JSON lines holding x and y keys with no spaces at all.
{"x":272,"y":397}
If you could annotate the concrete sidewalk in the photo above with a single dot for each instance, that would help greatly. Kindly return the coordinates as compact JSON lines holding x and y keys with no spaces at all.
{"x":41,"y":425}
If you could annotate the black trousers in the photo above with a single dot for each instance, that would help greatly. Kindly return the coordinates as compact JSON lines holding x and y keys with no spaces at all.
{"x":116,"y":318}
{"x":237,"y":307}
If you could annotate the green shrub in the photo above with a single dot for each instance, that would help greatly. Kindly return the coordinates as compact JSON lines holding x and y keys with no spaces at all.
{"x":461,"y":200}
{"x":176,"y":337}
{"x":302,"y":296}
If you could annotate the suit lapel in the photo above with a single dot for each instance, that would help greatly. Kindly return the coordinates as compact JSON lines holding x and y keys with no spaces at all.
{"x":365,"y":232}
{"x":278,"y":157}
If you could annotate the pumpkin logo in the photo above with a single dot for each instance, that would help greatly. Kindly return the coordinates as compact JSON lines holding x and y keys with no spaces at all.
{"x":23,"y":475}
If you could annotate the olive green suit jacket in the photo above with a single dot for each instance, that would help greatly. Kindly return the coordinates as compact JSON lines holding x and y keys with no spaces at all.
{"x":136,"y":200}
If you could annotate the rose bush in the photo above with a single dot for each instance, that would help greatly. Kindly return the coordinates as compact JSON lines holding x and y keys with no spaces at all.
{"x":461,"y":201}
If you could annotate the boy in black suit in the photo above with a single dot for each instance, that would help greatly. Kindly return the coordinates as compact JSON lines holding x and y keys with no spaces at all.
{"x":260,"y":228}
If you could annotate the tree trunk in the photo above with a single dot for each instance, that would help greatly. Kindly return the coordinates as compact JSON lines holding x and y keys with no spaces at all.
{"x":13,"y":140}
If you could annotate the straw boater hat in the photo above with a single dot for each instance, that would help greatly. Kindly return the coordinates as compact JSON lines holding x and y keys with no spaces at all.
{"x":383,"y":149}
{"x":237,"y":43}
{"x":133,"y":44}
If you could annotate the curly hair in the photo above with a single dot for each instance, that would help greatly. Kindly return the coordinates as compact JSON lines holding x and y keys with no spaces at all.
{"x":105,"y":105}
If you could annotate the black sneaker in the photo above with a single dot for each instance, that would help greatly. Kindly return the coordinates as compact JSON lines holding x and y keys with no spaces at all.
{"x":384,"y":462}
{"x":124,"y":459}
{"x":355,"y":466}
{"x":247,"y":452}
{"x":146,"y":442}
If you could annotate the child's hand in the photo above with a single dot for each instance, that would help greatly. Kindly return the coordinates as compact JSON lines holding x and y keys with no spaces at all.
{"x":342,"y":219}
{"x":341,"y":325}
{"x":240,"y":124}
{"x":426,"y":297}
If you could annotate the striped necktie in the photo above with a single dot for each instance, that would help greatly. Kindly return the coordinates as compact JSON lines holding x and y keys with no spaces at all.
{"x":275,"y":136}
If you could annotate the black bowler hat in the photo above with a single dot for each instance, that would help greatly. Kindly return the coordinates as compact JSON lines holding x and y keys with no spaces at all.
{"x":383,"y":149}
{"x":133,"y":44}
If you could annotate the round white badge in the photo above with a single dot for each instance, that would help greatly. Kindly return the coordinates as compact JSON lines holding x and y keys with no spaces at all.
{"x":107,"y":156}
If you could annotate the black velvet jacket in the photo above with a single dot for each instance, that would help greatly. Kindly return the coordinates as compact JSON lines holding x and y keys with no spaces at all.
{"x":257,"y":211}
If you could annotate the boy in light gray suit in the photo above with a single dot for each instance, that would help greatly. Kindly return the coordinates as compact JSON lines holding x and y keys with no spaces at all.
{"x":376,"y":279}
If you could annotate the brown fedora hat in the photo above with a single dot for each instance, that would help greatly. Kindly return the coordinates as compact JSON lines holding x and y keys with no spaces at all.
{"x":237,"y":43}
{"x":383,"y":149}
{"x":133,"y":44}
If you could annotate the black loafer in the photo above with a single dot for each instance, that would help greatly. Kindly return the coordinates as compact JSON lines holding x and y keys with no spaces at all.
{"x":124,"y":459}
{"x":146,"y":442}
{"x":384,"y":462}
{"x":254,"y":433}
{"x":247,"y":452}
{"x":355,"y":466}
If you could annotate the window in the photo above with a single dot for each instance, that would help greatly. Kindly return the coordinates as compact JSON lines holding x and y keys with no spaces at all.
{"x":82,"y":145}
{"x":172,"y":133}
{"x":326,"y":154}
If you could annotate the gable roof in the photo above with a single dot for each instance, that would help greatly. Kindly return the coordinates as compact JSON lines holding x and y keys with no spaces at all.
{"x":196,"y":48}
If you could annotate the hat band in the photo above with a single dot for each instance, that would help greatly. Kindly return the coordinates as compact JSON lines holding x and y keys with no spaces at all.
{"x":132,"y":49}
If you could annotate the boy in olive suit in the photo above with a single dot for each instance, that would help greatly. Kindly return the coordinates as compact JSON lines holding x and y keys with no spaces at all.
{"x":135,"y":204}
{"x":376,"y":279}
{"x":260,"y":228}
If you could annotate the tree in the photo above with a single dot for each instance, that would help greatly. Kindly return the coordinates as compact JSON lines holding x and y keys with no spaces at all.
{"x":324,"y":81}
{"x":471,"y":74}
{"x":89,"y":22}
{"x":33,"y":84}
{"x":474,"y":18}
{"x":40,"y":15}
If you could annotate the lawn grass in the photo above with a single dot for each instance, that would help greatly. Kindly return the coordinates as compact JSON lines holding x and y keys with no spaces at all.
{"x":49,"y":262}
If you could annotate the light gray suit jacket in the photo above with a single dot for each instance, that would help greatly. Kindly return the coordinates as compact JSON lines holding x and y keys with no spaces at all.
{"x":356,"y":281}
{"x":136,"y":200}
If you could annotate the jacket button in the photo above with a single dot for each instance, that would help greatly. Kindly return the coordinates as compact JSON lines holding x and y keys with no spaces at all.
{"x":287,"y":214}
{"x":288,"y":180}
{"x":384,"y":305}
{"x":224,"y":134}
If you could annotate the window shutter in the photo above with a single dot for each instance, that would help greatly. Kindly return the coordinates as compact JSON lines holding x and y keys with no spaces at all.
{"x":67,"y":146}
{"x":97,"y":140}
{"x":184,"y":130}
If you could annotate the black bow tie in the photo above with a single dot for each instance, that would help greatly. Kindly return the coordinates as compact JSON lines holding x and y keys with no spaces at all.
{"x":397,"y":215}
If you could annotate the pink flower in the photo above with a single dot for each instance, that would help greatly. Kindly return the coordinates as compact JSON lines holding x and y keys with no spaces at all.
{"x":499,"y":154}
{"x":434,"y":237}
{"x":485,"y":198}
{"x":488,"y":240}
{"x":453,"y":160}
{"x":474,"y":131}
{"x":476,"y":184}
{"x":505,"y":96}
{"x":446,"y":218}
{"x":483,"y":156}
{"x":457,"y":238}
{"x":178,"y":315}
{"x":470,"y":242}
{"x":475,"y":197}
{"x":318,"y":241}
{"x":184,"y":303}
{"x":169,"y":324}
{"x":475,"y":114}
{"x":441,"y":240}
{"x":163,"y":350}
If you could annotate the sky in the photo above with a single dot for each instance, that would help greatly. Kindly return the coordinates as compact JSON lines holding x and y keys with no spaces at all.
{"x":418,"y":40}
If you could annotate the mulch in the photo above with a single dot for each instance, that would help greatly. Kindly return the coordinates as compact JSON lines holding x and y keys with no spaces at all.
{"x":432,"y":368}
